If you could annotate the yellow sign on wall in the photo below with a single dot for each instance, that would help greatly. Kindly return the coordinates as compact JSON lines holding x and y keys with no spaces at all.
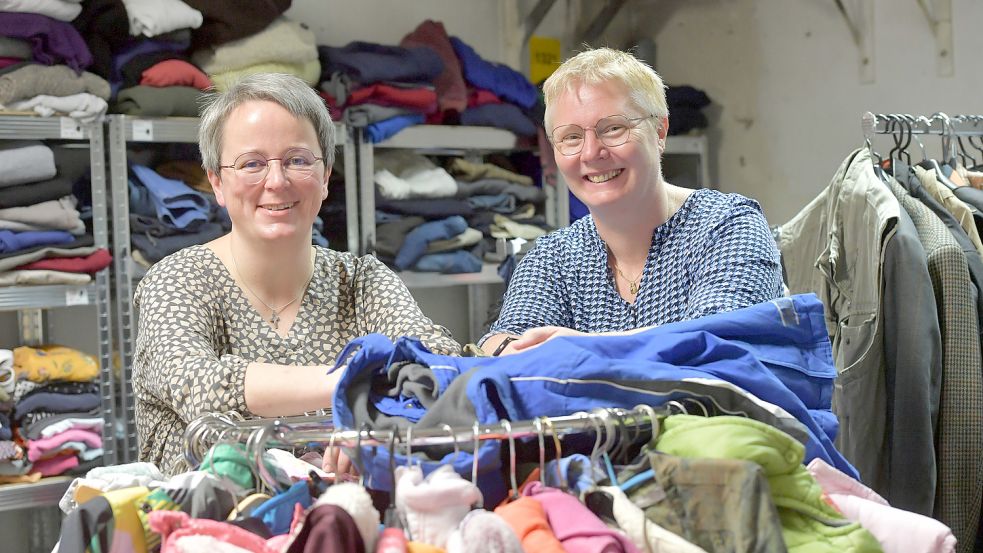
{"x":544,"y":57}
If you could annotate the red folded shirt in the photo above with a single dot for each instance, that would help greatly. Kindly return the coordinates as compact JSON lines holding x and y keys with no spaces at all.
{"x":175,"y":73}
{"x":97,"y":261}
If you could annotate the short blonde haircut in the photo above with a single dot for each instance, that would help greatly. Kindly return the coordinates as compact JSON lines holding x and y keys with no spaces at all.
{"x":645,"y":88}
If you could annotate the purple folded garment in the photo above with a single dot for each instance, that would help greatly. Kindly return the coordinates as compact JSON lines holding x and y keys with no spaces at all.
{"x":52,"y":41}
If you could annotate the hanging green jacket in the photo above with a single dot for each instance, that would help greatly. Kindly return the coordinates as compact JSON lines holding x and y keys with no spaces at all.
{"x":809,"y":524}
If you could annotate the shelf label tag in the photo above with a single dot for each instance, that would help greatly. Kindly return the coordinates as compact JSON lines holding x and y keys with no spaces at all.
{"x":71,"y":128}
{"x":143,"y":131}
{"x":76,"y":296}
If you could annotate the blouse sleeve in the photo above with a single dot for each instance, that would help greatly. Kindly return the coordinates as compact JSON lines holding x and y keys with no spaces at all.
{"x":385,"y":306}
{"x":178,"y":360}
{"x":740,"y":265}
{"x":535,"y":295}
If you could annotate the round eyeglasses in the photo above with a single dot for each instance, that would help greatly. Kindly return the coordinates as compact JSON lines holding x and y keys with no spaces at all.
{"x":252,"y":168}
{"x":613,"y":130}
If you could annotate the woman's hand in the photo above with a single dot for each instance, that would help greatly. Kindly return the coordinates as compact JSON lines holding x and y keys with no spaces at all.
{"x":537,"y":336}
{"x":337,"y":463}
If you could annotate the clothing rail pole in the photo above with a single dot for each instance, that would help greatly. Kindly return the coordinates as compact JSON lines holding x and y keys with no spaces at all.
{"x":958,"y":125}
{"x":277,"y":433}
{"x":211,"y":428}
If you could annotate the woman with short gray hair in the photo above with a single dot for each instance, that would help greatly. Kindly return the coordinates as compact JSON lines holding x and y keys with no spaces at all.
{"x":252,"y":321}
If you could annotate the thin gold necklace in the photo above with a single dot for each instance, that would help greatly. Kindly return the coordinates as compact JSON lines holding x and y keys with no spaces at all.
{"x":633,"y":285}
{"x":274,"y":313}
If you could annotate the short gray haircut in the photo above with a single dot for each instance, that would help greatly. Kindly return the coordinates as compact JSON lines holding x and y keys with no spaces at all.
{"x":296,"y":96}
{"x":645,"y":88}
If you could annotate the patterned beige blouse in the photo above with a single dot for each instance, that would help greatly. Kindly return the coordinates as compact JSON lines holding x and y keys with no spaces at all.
{"x":197,"y":333}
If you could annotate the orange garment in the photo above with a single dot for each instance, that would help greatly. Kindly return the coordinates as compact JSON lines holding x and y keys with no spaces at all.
{"x":528,"y":520}
{"x":48,"y":363}
{"x":175,"y":73}
{"x":420,"y":547}
{"x":21,"y":478}
{"x":188,"y":172}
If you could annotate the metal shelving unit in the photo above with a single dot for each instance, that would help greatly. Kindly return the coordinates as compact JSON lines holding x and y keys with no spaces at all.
{"x":469,"y":142}
{"x":30,"y":301}
{"x":125,"y":130}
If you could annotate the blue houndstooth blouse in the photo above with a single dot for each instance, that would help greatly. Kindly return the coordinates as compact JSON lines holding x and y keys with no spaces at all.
{"x":715,"y":254}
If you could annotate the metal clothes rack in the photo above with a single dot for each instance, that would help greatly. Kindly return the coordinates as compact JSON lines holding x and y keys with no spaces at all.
{"x":260,"y":434}
{"x":951,"y":128}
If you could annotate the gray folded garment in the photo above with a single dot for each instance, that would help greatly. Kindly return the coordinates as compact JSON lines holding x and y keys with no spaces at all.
{"x":53,"y":80}
{"x":15,"y":48}
{"x":57,"y":214}
{"x":24,"y":162}
{"x":150,"y":101}
{"x":24,"y":277}
{"x":8,"y":263}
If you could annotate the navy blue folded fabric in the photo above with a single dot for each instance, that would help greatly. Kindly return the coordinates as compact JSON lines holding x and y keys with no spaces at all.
{"x":368,"y":62}
{"x":503,"y":116}
{"x":685,"y":95}
{"x":11,"y":242}
{"x":501,"y":79}
{"x":683,"y":119}
{"x":377,"y":132}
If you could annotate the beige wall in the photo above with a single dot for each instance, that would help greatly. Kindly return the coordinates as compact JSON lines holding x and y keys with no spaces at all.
{"x":783,"y":74}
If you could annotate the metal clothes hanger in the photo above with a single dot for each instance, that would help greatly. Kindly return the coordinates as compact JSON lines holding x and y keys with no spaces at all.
{"x":512,"y":476}
{"x":541,"y":440}
{"x":559,"y":453}
{"x":450,"y":431}
{"x":476,"y":428}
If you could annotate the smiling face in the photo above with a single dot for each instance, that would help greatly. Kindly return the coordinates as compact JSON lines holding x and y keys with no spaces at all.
{"x":602,"y":177}
{"x":281,"y":205}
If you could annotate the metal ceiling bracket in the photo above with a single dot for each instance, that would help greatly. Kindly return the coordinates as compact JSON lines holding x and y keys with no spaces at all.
{"x":859,"y":18}
{"x":939,"y":16}
{"x":600,"y":22}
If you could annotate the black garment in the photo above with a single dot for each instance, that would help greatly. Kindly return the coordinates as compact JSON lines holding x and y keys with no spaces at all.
{"x":228,"y":20}
{"x":105,"y":28}
{"x":35,"y":192}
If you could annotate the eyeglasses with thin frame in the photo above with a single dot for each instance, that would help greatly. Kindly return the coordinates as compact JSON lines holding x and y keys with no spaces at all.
{"x":252,"y":168}
{"x":612,"y":131}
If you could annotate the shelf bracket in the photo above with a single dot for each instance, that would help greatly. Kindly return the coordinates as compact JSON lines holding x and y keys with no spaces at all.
{"x":939,"y":16}
{"x":600,"y":22}
{"x":860,"y":20}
